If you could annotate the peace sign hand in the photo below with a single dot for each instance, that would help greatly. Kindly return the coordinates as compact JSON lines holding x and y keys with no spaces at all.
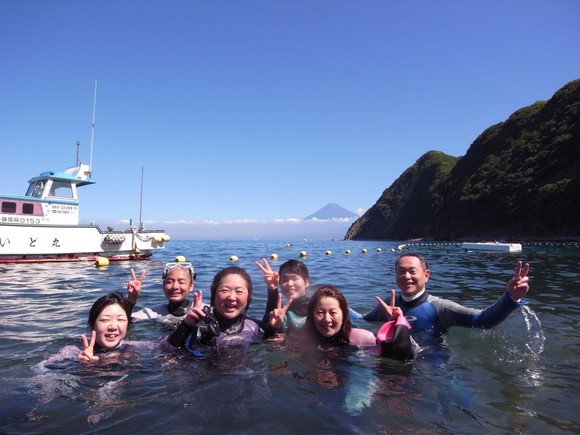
{"x":87,"y":354}
{"x":518,"y":286}
{"x":271,"y":278}
{"x":195,"y":314}
{"x":392,"y":311}
{"x":134,"y":287}
{"x":277,"y":315}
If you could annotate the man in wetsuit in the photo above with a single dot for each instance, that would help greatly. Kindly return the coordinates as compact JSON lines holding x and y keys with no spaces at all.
{"x":426,"y":312}
{"x":178,"y":283}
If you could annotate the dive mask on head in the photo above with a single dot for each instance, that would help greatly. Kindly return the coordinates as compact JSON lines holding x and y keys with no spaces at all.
{"x":184,"y":265}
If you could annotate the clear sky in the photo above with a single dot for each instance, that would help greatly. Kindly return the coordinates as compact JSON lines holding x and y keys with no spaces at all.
{"x":263,"y":111}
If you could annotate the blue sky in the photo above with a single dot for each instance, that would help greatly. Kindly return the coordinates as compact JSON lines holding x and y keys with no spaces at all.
{"x":248,"y":116}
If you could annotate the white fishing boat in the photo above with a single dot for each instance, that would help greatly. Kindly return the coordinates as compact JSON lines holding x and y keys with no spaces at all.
{"x":492,"y":246}
{"x":43,"y":225}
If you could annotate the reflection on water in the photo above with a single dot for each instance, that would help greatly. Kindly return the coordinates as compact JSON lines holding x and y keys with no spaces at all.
{"x":518,"y":377}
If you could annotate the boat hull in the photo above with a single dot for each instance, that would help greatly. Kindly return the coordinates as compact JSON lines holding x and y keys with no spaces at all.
{"x":492,"y":246}
{"x":52,"y":243}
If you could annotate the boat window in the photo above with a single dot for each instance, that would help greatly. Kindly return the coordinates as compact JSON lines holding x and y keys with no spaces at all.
{"x":8,"y":207}
{"x":27,"y":208}
{"x":62,"y":189}
{"x":35,"y":189}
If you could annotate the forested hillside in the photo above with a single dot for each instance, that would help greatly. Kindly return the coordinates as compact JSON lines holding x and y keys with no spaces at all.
{"x":520,"y":179}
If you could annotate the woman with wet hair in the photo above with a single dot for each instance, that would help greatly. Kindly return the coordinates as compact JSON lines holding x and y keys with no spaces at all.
{"x":328,"y":323}
{"x":108,"y":324}
{"x":108,"y":321}
{"x":224,"y":320}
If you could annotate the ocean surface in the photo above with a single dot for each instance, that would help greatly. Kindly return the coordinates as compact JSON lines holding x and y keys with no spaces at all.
{"x":520,"y":377}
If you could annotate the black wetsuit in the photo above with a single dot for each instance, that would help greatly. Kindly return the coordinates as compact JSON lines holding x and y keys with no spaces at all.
{"x":167,"y":313}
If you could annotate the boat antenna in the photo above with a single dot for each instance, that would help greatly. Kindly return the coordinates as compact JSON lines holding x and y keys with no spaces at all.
{"x":78,"y":160}
{"x":93,"y":129}
{"x":141,"y":199}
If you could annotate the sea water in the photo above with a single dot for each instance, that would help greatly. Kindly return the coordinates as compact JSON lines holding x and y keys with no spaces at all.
{"x":520,"y":377}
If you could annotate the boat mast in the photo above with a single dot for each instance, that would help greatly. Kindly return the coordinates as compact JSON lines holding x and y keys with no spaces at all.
{"x":141,"y":200}
{"x":93,"y":128}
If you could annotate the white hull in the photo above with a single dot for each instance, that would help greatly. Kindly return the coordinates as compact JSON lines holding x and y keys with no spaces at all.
{"x":43,"y":224}
{"x":40,"y":243}
{"x":492,"y":246}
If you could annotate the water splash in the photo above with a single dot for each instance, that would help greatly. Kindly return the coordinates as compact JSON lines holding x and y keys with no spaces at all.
{"x":527,"y":349}
{"x":536,"y":338}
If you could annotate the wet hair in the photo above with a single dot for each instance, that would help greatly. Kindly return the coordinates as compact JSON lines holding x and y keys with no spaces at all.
{"x":422,"y":260}
{"x":342,"y":337}
{"x":104,"y":301}
{"x":294,"y":266}
{"x":232,"y":270}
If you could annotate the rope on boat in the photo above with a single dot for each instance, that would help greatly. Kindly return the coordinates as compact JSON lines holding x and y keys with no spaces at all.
{"x":135,"y":232}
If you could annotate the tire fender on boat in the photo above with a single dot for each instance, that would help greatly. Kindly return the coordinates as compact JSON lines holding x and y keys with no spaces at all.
{"x":114,"y":239}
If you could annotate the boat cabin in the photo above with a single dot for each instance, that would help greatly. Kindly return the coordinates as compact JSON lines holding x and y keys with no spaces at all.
{"x":51,"y":198}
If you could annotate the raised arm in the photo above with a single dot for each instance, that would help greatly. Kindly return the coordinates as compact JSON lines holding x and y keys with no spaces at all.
{"x":196,"y":312}
{"x":381,"y":312}
{"x":394,"y":336}
{"x":87,"y":354}
{"x":272,"y":280}
{"x":390,"y":310}
{"x":178,"y":337}
{"x":276,"y":316}
{"x":518,"y":286}
{"x":134,"y":287}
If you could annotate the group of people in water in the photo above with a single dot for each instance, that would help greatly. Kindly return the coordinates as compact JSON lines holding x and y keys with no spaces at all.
{"x":322,"y":319}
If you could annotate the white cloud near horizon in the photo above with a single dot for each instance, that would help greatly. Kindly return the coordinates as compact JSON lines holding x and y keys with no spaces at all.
{"x":251,"y":229}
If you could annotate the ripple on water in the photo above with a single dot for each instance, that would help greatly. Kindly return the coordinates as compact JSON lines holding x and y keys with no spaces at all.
{"x":502,"y":380}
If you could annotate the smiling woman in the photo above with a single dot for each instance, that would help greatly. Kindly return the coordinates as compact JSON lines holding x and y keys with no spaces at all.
{"x":328,"y":324}
{"x":108,"y":322}
{"x":231,"y":294}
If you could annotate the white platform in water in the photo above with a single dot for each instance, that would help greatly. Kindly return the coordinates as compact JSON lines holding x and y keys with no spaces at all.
{"x":492,"y":246}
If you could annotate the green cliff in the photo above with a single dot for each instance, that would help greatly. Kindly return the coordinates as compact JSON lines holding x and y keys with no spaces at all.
{"x":520,"y":179}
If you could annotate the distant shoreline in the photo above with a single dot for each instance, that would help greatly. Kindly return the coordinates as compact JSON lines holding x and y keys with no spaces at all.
{"x":478,"y":239}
